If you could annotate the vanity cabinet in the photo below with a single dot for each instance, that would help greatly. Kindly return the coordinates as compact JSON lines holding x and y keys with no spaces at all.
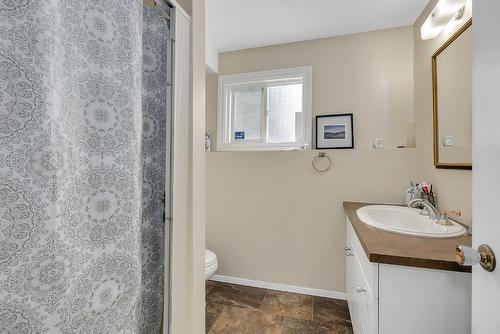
{"x":394,"y":299}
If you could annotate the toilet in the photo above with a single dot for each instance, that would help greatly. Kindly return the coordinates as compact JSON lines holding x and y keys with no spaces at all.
{"x":211,"y":264}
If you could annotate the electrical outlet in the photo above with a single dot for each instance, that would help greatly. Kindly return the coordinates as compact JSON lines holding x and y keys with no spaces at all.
{"x":449,"y":141}
{"x":378,"y":143}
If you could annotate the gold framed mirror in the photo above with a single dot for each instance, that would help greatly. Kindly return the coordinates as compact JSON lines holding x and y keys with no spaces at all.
{"x":452,"y":101}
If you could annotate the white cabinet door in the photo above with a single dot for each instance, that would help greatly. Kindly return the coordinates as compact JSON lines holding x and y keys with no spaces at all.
{"x":363,"y":305}
{"x":366,"y":303}
{"x":418,"y":301}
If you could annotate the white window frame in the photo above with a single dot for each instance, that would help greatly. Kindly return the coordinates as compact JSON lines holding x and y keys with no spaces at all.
{"x":256,"y":79}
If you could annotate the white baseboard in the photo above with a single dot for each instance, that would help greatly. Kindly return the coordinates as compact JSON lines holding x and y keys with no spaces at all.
{"x":280,"y":287}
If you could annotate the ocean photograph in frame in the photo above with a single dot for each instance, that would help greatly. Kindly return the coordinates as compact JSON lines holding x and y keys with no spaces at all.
{"x":334,"y":131}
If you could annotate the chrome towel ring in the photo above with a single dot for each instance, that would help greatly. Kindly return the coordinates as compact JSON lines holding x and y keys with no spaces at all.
{"x":321,"y":155}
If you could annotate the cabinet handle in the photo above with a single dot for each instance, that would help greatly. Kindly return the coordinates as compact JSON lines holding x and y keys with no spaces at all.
{"x":347,"y":249}
{"x":348,"y":253}
{"x":360,"y":289}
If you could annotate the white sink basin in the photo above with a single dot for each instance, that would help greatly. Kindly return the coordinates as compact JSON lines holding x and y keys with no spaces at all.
{"x":406,"y":221}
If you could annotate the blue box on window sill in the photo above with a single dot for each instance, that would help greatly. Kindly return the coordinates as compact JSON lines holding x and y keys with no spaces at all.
{"x":239,"y":135}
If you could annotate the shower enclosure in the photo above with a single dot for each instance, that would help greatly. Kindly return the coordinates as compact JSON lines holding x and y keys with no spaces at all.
{"x":86,"y":127}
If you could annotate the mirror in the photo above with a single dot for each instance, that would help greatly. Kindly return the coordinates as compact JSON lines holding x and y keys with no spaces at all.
{"x":452,"y":94}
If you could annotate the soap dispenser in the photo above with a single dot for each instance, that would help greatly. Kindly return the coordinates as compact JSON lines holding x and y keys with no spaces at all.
{"x":410,"y":193}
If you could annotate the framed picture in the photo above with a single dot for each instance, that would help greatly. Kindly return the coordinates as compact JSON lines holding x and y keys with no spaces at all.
{"x":334,"y":131}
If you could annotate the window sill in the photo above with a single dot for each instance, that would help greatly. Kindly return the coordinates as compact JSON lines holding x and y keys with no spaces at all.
{"x":267,"y":148}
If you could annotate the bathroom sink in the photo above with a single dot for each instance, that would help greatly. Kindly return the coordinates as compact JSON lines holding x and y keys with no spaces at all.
{"x":406,"y":221}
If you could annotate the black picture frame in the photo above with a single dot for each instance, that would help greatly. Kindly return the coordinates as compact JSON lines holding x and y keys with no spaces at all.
{"x":326,"y":143}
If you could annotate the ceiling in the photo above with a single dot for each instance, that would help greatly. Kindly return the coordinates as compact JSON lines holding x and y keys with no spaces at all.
{"x":241,"y":24}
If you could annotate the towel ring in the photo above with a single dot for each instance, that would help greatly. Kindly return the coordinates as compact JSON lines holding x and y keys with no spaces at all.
{"x":321,"y":155}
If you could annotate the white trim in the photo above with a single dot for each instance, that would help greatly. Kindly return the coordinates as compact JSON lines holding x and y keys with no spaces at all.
{"x":280,"y":287}
{"x":225,"y":81}
{"x":175,"y":285}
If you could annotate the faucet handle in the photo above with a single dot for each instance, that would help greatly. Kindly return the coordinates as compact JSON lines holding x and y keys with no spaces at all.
{"x":443,"y":219}
{"x":456,"y":213}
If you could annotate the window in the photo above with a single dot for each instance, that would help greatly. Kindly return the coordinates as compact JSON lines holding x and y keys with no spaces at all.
{"x":268,"y":110}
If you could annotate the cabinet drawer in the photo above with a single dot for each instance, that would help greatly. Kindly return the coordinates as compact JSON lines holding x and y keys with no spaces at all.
{"x":369,"y":269}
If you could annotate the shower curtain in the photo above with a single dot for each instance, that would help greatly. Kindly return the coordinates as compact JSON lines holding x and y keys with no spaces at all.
{"x":82,"y":166}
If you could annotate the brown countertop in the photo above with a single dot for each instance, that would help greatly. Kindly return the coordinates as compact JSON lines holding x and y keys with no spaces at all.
{"x":391,"y":248}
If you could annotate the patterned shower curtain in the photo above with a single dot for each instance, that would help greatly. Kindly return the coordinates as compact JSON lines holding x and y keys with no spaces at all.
{"x":82,"y":166}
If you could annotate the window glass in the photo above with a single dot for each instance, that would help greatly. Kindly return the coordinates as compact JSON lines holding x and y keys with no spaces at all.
{"x":284,"y":113}
{"x":247,"y":114}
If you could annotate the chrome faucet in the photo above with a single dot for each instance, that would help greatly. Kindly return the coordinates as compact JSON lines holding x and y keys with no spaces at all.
{"x":428,"y":209}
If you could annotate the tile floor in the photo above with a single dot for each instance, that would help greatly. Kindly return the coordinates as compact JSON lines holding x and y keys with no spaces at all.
{"x":237,"y":309}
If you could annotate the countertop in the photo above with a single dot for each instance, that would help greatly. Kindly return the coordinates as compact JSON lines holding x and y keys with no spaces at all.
{"x":391,"y":248}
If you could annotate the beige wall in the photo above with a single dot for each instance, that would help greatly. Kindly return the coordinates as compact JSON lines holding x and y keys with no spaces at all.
{"x":453,"y":187}
{"x":270,"y":217}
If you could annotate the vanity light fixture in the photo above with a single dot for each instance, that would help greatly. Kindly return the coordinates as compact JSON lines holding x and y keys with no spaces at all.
{"x":444,"y":14}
